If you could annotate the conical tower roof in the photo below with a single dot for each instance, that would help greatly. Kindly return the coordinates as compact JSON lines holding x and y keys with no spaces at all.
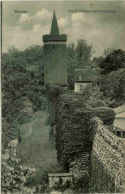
{"x":54,"y":26}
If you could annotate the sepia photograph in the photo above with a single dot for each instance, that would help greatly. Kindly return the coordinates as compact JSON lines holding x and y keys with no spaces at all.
{"x":62,"y":97}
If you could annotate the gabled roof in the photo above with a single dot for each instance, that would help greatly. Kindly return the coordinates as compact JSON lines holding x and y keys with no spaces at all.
{"x":120,"y":111}
{"x":87,"y":74}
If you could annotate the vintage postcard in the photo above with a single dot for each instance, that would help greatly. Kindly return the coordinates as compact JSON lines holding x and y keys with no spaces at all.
{"x":63,"y":97}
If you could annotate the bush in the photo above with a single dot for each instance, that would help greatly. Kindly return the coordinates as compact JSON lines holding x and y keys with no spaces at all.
{"x":79,"y":184}
{"x":99,"y":103}
{"x":91,"y":94}
{"x":53,"y":90}
{"x":40,"y":180}
{"x":113,"y":88}
{"x":10,"y":132}
{"x":22,"y":87}
{"x":60,"y":186}
{"x":14,"y":175}
{"x":106,"y":114}
{"x":113,"y":61}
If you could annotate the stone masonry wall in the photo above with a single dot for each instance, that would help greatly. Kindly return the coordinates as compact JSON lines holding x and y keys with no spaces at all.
{"x":80,"y":168}
{"x":107,"y":161}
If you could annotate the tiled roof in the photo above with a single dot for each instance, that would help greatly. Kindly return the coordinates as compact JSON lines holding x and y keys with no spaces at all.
{"x":87,"y":74}
{"x":120,"y":109}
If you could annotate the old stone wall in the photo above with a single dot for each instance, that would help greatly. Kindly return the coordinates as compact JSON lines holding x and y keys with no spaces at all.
{"x":107,"y":161}
{"x":80,"y":168}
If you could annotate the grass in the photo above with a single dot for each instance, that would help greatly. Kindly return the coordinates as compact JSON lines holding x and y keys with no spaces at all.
{"x":36,"y":149}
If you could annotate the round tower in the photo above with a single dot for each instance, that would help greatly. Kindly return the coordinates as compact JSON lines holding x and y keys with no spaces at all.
{"x":55,"y":69}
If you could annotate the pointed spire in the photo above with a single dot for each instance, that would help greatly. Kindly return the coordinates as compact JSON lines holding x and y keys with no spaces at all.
{"x":54,"y":26}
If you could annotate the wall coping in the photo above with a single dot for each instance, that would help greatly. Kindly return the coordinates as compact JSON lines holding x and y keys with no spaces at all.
{"x":60,"y":175}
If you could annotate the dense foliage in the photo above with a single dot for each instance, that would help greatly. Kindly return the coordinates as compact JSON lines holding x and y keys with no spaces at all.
{"x":77,"y":110}
{"x":22,"y":82}
{"x":23,"y":92}
{"x":22,"y":89}
{"x":106,"y":114}
{"x":113,"y":61}
{"x":99,"y":103}
{"x":112,"y":79}
{"x":112,"y":87}
{"x":14,"y":175}
{"x":92,"y":93}
{"x":79,"y":57}
{"x":71,"y":110}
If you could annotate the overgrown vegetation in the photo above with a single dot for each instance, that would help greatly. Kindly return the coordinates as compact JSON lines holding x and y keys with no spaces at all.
{"x":23,"y":93}
{"x":75,"y":130}
{"x":112,"y":87}
{"x":71,"y":110}
{"x":78,"y":111}
{"x":60,"y":186}
{"x":113,"y":61}
{"x":22,"y":89}
{"x":106,"y":114}
{"x":79,"y":57}
{"x":14,"y":175}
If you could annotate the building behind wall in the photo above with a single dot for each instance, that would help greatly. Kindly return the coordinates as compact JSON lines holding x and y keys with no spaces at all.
{"x":119,"y":122}
{"x":83,"y":77}
{"x":55,"y":70}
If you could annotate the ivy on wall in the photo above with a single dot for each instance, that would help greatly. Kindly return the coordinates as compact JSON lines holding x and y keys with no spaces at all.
{"x":74,"y":128}
{"x":52,"y":92}
{"x":73,"y":120}
{"x":75,"y":125}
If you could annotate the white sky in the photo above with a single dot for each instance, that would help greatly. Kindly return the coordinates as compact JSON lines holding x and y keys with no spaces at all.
{"x":102,"y":30}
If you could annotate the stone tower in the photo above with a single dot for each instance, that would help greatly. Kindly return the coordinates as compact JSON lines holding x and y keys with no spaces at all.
{"x":55,"y":70}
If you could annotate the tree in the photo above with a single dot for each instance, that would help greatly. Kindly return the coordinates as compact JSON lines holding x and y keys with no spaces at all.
{"x":33,"y":55}
{"x":78,"y":56}
{"x":112,"y":86}
{"x":13,"y":51}
{"x":113,"y":61}
{"x":22,"y":88}
{"x":91,"y":94}
{"x":72,"y":63}
{"x":97,"y":60}
{"x":108,"y":51}
{"x":83,"y":53}
{"x":16,"y":83}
